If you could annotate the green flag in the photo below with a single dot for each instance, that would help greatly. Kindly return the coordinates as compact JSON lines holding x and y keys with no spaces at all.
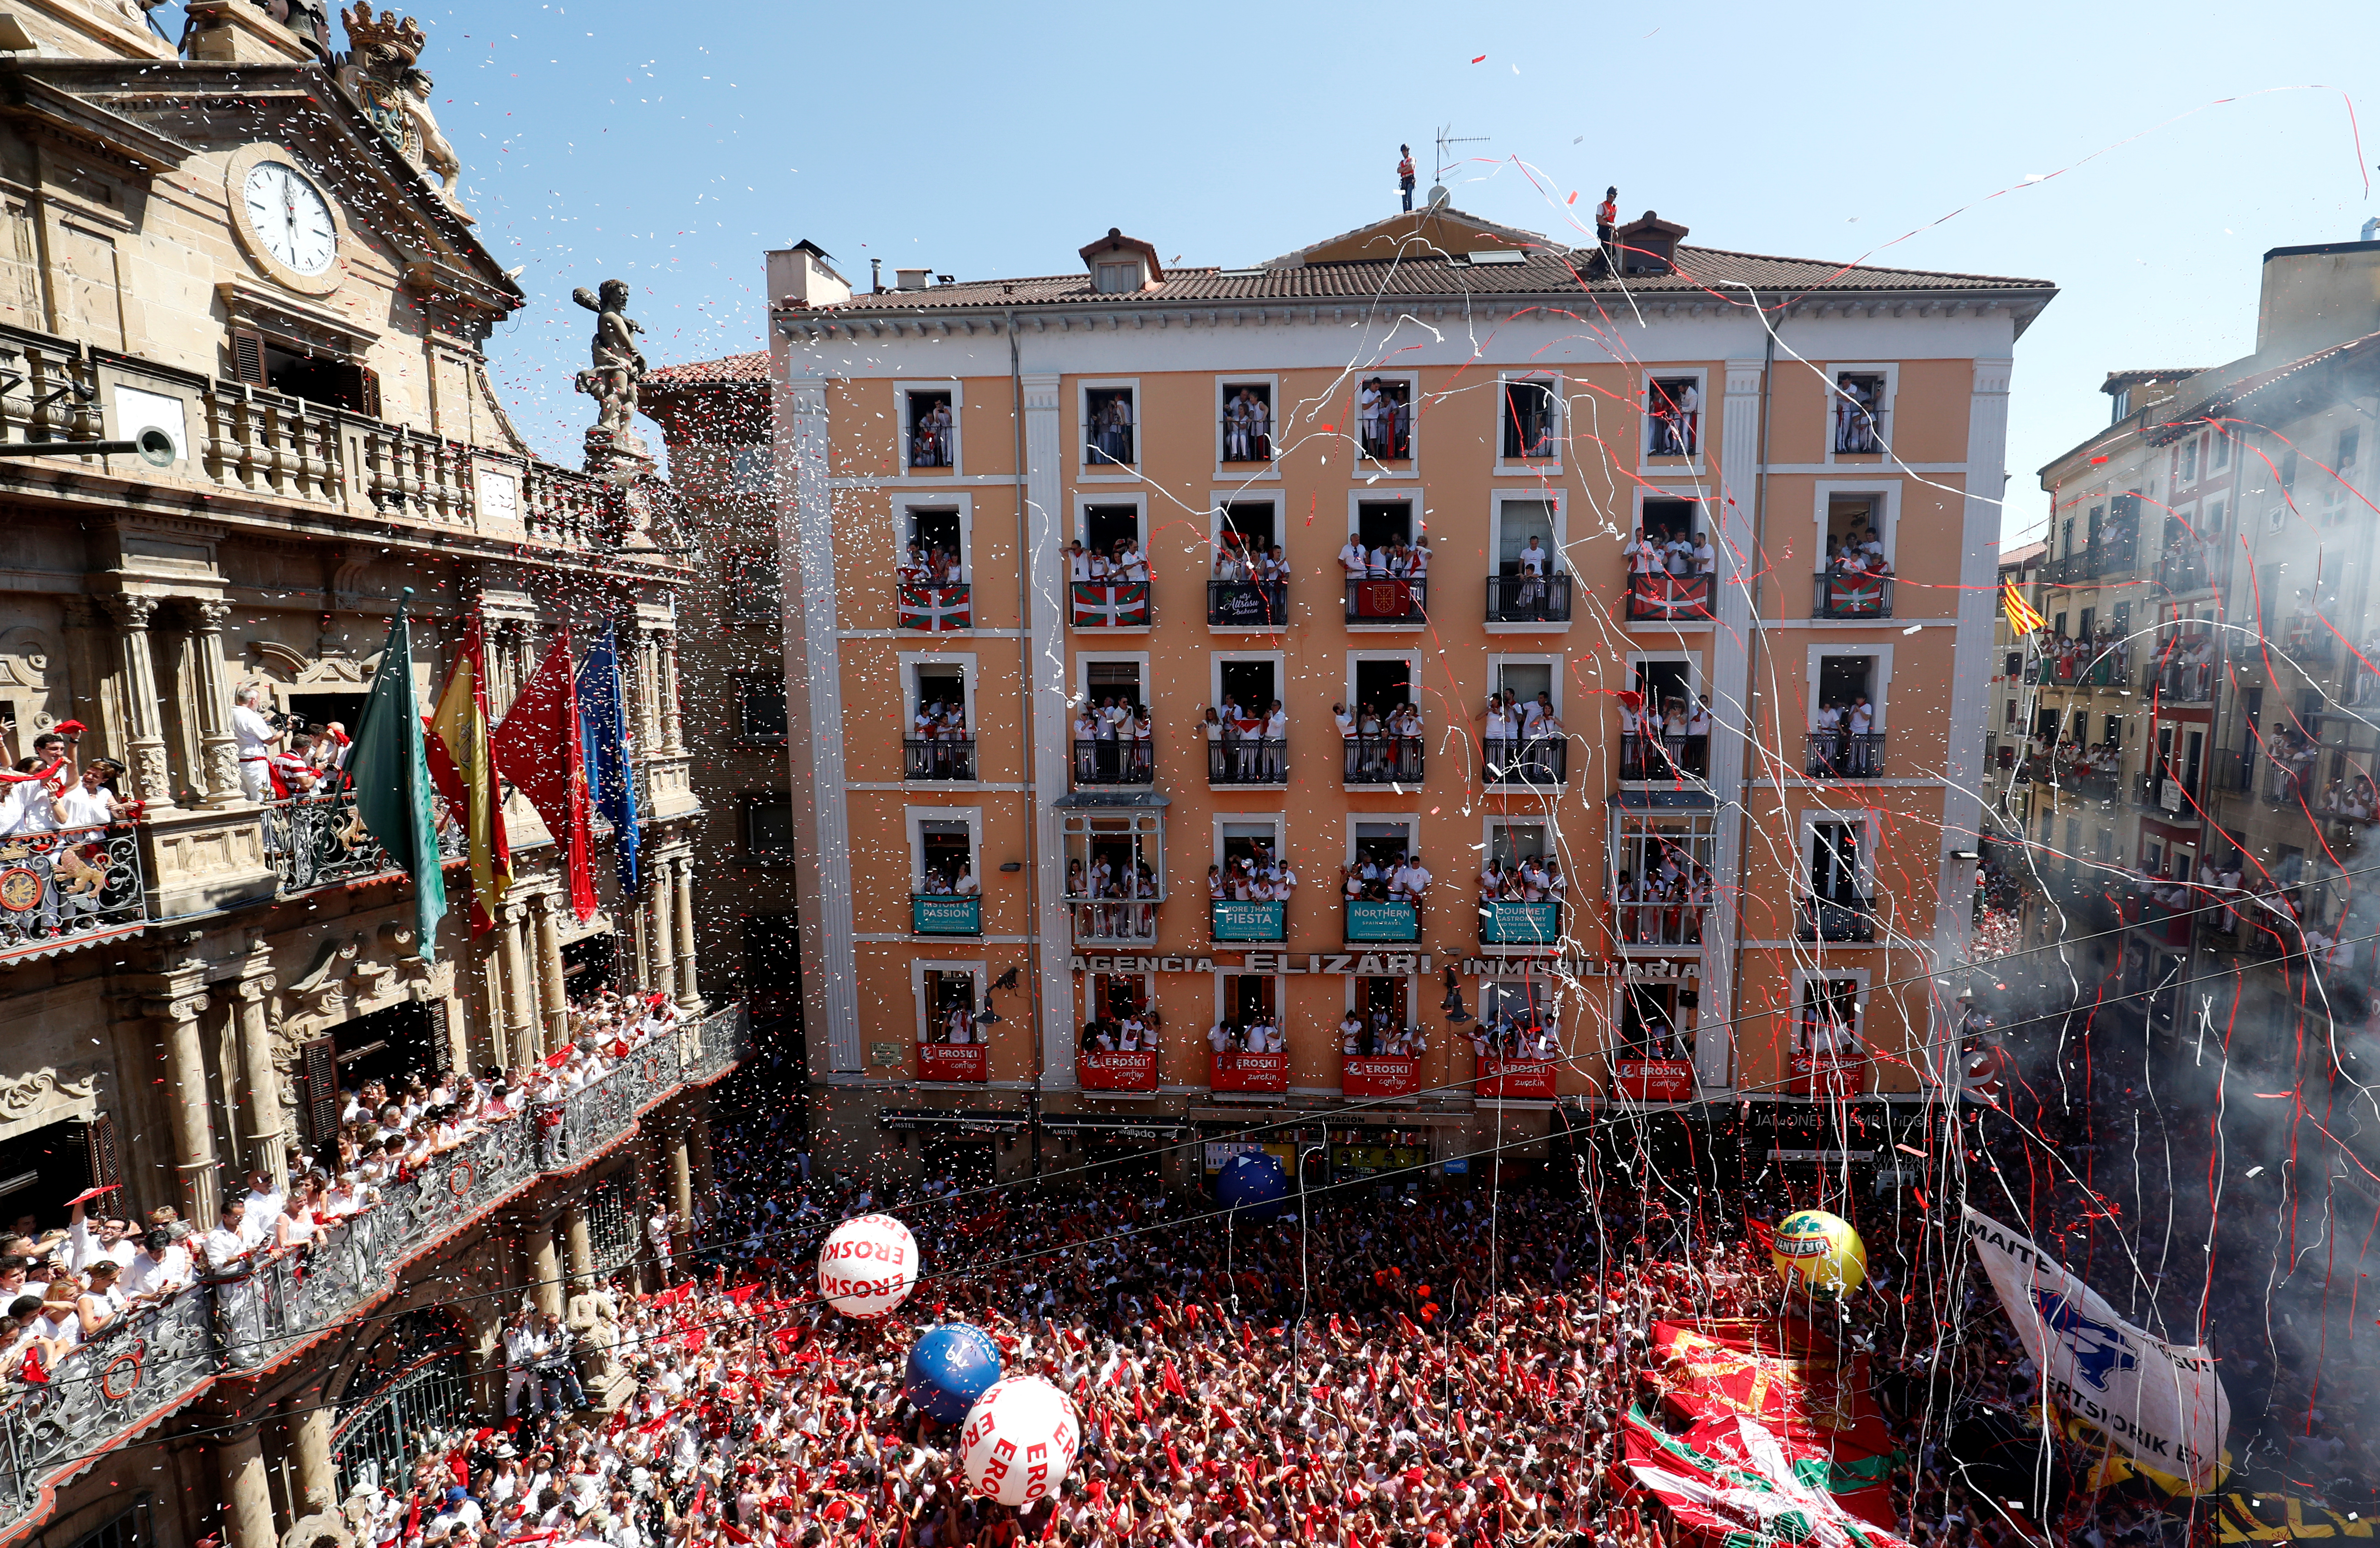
{"x":390,"y":772}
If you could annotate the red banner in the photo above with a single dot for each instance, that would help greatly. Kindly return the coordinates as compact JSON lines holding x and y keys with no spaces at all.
{"x":1527,"y":1079}
{"x":1380,"y":1075}
{"x":953,"y":1061}
{"x":1826,"y":1076}
{"x":1117,"y":1071}
{"x":1654,"y":1080}
{"x":1249,"y":1071}
{"x":1383,"y":598}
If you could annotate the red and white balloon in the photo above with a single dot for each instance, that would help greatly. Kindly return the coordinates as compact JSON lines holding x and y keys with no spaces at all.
{"x":867,"y":1266}
{"x":1019,"y":1440}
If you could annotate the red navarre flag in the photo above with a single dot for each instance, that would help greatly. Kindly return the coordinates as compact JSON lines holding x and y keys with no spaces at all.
{"x":536,"y":747}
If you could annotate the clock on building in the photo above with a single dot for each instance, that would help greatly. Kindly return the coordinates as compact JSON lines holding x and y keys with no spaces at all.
{"x":290,"y":217}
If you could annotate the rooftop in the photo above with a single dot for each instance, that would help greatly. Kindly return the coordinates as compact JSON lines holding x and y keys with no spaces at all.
{"x":753,"y":367}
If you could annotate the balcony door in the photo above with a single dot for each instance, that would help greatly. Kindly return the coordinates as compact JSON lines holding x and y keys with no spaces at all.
{"x":1835,"y":875}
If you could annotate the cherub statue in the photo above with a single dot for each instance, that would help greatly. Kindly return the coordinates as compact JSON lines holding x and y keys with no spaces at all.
{"x":594,"y":1316}
{"x":619,"y":365}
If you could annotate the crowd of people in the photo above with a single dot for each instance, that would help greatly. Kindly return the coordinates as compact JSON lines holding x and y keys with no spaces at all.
{"x":1254,"y":1033}
{"x":1392,"y":558}
{"x":1393,"y":880}
{"x":1667,"y":741}
{"x":1522,"y":739}
{"x":1856,"y":408}
{"x":1677,"y":418}
{"x":53,"y":820}
{"x":1113,"y":901}
{"x":1842,"y":742}
{"x":1380,"y":1032}
{"x":1380,"y":749}
{"x":1113,"y":743}
{"x":1120,"y":563}
{"x":1384,"y":417}
{"x":1662,"y":907}
{"x":1111,"y":429}
{"x":942,"y":744}
{"x":1248,"y":426}
{"x":1859,"y":552}
{"x":930,"y":567}
{"x":930,"y":436}
{"x":1258,"y":876}
{"x":1247,"y":746}
{"x":1529,"y":878}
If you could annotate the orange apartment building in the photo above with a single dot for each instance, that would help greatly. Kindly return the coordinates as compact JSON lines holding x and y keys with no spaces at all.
{"x":1753,"y":904}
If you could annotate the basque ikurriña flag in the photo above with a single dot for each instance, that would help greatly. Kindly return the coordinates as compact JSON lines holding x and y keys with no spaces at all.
{"x":1101,"y":606}
{"x":937,"y":609}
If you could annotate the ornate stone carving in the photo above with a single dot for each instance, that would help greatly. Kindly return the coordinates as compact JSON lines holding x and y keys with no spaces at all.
{"x":394,"y":91}
{"x":324,"y":1529}
{"x":213,"y":614}
{"x":128,"y":610}
{"x":29,"y":1093}
{"x":618,"y":370}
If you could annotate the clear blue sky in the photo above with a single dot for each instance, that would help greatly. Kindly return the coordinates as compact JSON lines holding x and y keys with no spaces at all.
{"x":670,"y":145}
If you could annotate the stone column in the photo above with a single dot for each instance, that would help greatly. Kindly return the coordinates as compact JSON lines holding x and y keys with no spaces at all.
{"x":247,"y":1498}
{"x":318,"y":1479}
{"x":201,"y":1199}
{"x":545,"y":1274}
{"x":270,"y":1152}
{"x":690,"y":990}
{"x":665,"y":690}
{"x":520,"y":1015}
{"x":144,"y":734}
{"x":681,"y":1170}
{"x":218,"y":748}
{"x":547,"y":908}
{"x":582,"y":1244}
{"x":699,"y":1141}
{"x":662,"y":915}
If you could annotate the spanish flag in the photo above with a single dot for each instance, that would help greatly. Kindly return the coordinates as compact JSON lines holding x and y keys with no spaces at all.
{"x":465,"y":772}
{"x":2021,"y":619}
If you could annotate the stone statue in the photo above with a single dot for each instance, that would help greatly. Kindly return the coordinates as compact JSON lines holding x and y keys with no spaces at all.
{"x":619,"y":368}
{"x":594,"y":1316}
{"x":382,"y":73}
{"x":437,"y":151}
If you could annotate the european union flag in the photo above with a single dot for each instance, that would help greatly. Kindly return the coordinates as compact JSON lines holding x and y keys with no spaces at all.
{"x":604,"y":726}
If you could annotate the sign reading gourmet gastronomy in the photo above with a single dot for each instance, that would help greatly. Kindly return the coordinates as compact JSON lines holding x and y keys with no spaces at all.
{"x":953,"y":1061}
{"x":1260,"y":1072}
{"x":1377,"y":1075}
{"x":1524,"y":1080}
{"x":1116,"y":1071}
{"x":1654,"y":1080}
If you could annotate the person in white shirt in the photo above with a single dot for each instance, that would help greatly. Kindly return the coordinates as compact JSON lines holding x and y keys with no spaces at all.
{"x":1420,"y":555}
{"x":967,"y":886}
{"x":159,"y":1268}
{"x":657,"y":1236}
{"x":92,"y":800}
{"x":1706,"y":557}
{"x":228,"y":1246}
{"x":1354,"y":559}
{"x":1344,"y":721}
{"x":1219,"y":1037}
{"x":1276,"y":742}
{"x":263,"y":1199}
{"x":86,"y":1246}
{"x":1643,"y":557}
{"x":1533,"y":575}
{"x":1413,"y":878}
{"x":255,"y":740}
{"x":1351,"y":1033}
{"x":1861,"y":724}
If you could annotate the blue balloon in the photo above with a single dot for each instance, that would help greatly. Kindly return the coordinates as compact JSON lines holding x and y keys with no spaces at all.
{"x":949,"y":1367}
{"x":1254,"y":1183}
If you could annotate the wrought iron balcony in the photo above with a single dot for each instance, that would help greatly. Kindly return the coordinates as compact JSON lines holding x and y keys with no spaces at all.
{"x":1115,"y":761}
{"x":1844,"y":917}
{"x":1387,"y":602}
{"x":1666,"y":598}
{"x":1247,"y":604}
{"x":1528,"y":599}
{"x":1541,"y":761}
{"x":68,"y":889}
{"x":1664,"y":759}
{"x":1248,"y":760}
{"x":1851,"y":594}
{"x":1129,"y":921}
{"x":318,"y":840}
{"x":1842,"y":756}
{"x":1383,"y":760}
{"x":938,"y":759}
{"x":1669,"y":922}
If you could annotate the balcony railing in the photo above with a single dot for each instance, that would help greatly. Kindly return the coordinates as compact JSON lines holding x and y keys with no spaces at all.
{"x":1387,"y":602}
{"x":937,"y":610}
{"x":1115,"y":761}
{"x":2113,"y":554}
{"x":1830,"y":755}
{"x":1852,"y":594}
{"x":937,"y":759}
{"x":1388,"y":436}
{"x":1238,"y":919}
{"x":1859,"y":430}
{"x":2096,"y":784}
{"x":1248,"y":760}
{"x":2161,"y":789}
{"x":931,"y":447}
{"x":970,"y":1063}
{"x":1664,"y":759}
{"x":2180,"y":681}
{"x":714,"y":1045}
{"x":2067,"y":569}
{"x":318,"y":840}
{"x":1383,"y":920}
{"x":1382,"y":760}
{"x":1528,"y":599}
{"x":68,"y":889}
{"x":945,"y":913}
{"x":1540,"y":761}
{"x":1509,"y":921}
{"x":1110,"y":446}
{"x":1107,"y":604}
{"x":1247,"y":439}
{"x":1659,"y":923}
{"x":1844,"y":917}
{"x":1249,"y":1073}
{"x":590,"y":1117}
{"x":1666,"y":598}
{"x":1247,"y":604}
{"x":1130,"y":920}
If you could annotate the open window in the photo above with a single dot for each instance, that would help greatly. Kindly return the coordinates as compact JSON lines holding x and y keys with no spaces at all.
{"x":1384,"y":417}
{"x":945,"y":854}
{"x":1858,"y":413}
{"x":1531,"y":413}
{"x":933,"y":541}
{"x":1248,"y":527}
{"x":1125,"y":849}
{"x":1245,"y":998}
{"x":1662,"y":883}
{"x":1385,"y":1015}
{"x":1827,"y":1026}
{"x":1512,"y":843}
{"x":1846,"y":737}
{"x":1673,"y":416}
{"x":767,"y":826}
{"x":1657,"y":1022}
{"x":1252,"y":685}
{"x":1672,"y":736}
{"x":929,"y":429}
{"x":1246,"y":422}
{"x":1250,"y":840}
{"x":1109,"y":427}
{"x":939,"y":740}
{"x":760,"y":709}
{"x":946,"y":1003}
{"x":1384,"y":524}
{"x":1857,"y":536}
{"x":1110,"y":728}
{"x":300,"y":373}
{"x":1381,"y":843}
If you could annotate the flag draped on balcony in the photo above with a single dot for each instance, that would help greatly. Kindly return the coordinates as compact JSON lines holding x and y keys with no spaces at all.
{"x":603,"y":722}
{"x":389,"y":766}
{"x":464,"y":770}
{"x":540,"y":748}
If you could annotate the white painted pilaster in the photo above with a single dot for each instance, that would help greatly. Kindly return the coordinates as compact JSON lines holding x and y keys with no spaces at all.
{"x":1044,"y":567}
{"x":1738,"y":541}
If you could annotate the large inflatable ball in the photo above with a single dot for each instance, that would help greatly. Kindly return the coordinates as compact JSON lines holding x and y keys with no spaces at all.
{"x":949,"y":1367}
{"x":1818,"y":1254}
{"x":1019,"y":1440}
{"x":868,"y":1266}
{"x":1253,"y":1182}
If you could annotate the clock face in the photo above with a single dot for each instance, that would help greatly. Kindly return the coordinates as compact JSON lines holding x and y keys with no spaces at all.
{"x":291,"y":217}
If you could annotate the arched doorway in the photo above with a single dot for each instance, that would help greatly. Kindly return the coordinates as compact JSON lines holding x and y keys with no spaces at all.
{"x":414,"y":1378}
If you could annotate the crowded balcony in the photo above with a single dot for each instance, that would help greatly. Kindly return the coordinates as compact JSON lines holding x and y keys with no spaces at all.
{"x":1661,"y":914}
{"x":1248,"y":919}
{"x":1245,"y":604}
{"x":1111,"y":760}
{"x":1382,"y":760}
{"x":2186,"y":674}
{"x":1393,"y":602}
{"x":69,"y":888}
{"x":1846,"y":916}
{"x":1842,"y":754}
{"x":1520,"y":924}
{"x":1660,"y":597}
{"x":1110,"y":917}
{"x":1384,"y":419}
{"x":1538,"y":762}
{"x":1859,"y":413}
{"x":945,"y":913}
{"x":1851,"y":594}
{"x":938,"y":759}
{"x":316,"y":840}
{"x":1528,"y":599}
{"x":1247,"y":436}
{"x":1109,"y":604}
{"x":1247,"y":760}
{"x":1664,"y":759}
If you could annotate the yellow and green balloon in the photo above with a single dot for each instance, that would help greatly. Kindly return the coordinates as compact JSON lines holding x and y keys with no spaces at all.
{"x":1818,"y":1254}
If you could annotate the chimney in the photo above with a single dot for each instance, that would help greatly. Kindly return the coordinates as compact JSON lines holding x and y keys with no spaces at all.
{"x":2316,"y":297}
{"x":802,"y":274}
{"x":876,"y":275}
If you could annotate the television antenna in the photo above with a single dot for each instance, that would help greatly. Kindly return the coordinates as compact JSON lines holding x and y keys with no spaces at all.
{"x":1446,"y":136}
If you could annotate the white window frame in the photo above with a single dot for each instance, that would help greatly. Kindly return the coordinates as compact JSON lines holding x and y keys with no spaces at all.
{"x":1358,"y":499}
{"x":906,"y":501}
{"x":956,"y":388}
{"x":1082,"y":663}
{"x":1887,"y":509}
{"x":1890,"y":371}
{"x":1277,"y":821}
{"x":1225,"y":384}
{"x":1085,"y":1006}
{"x":1694,"y":495}
{"x":1700,"y":377}
{"x":1080,"y":467}
{"x":920,"y":966}
{"x":1488,"y":827}
{"x":1551,"y":995}
{"x":1871,"y":826}
{"x":1617,"y":1007}
{"x":1622,"y":817}
{"x":1803,"y":978}
{"x":912,"y":660}
{"x":1085,"y":814}
{"x":1215,"y":659}
{"x":1083,"y":503}
{"x":1217,"y":498}
{"x":1558,"y":499}
{"x":1280,"y":1001}
{"x":1498,"y":662}
{"x":1412,"y":1006}
{"x":914,"y":819}
{"x":1363,"y":466}
{"x":1412,"y":659}
{"x":1880,"y":683}
{"x":1412,"y":821}
{"x":1527,"y":466}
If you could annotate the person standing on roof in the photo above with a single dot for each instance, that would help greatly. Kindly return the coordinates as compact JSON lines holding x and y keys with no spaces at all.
{"x":1406,"y":173}
{"x":1606,"y":218}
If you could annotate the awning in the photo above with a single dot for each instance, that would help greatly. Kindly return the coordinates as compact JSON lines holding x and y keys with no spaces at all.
{"x":962,"y":1122}
{"x":1111,"y":798}
{"x":1118,"y":1128}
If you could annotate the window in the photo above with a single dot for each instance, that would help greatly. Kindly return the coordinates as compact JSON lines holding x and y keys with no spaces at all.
{"x":318,"y":379}
{"x":1122,"y":848}
{"x":1108,"y":425}
{"x":2289,"y":470}
{"x":1660,"y":878}
{"x":1656,"y":1021}
{"x":1828,"y":1027}
{"x":946,"y":996}
{"x":1531,"y":420}
{"x":1118,"y":278}
{"x":945,"y":851}
{"x":755,"y":591}
{"x":1245,"y":998}
{"x":929,"y":427}
{"x":1859,"y":407}
{"x":935,"y":537}
{"x":1839,"y":862}
{"x":1673,"y":416}
{"x":2188,"y":464}
{"x":1248,"y":839}
{"x":767,"y":826}
{"x":1384,"y":414}
{"x":1508,"y":843}
{"x":2222,"y":458}
{"x":939,"y":740}
{"x":1246,"y":426}
{"x":1526,"y":537}
{"x":1108,"y":529}
{"x":1382,"y":843}
{"x":1519,"y":1018}
{"x":1384,"y":524}
{"x":751,"y":469}
{"x":760,"y":708}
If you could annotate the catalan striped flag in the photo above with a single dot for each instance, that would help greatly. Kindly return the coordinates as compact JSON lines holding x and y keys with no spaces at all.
{"x":2022,"y":617}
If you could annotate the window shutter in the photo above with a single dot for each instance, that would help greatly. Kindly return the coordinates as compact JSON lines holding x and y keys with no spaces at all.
{"x":441,"y":1048}
{"x":247,"y":355}
{"x":91,"y":1147}
{"x":366,"y":393}
{"x":318,"y":1098}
